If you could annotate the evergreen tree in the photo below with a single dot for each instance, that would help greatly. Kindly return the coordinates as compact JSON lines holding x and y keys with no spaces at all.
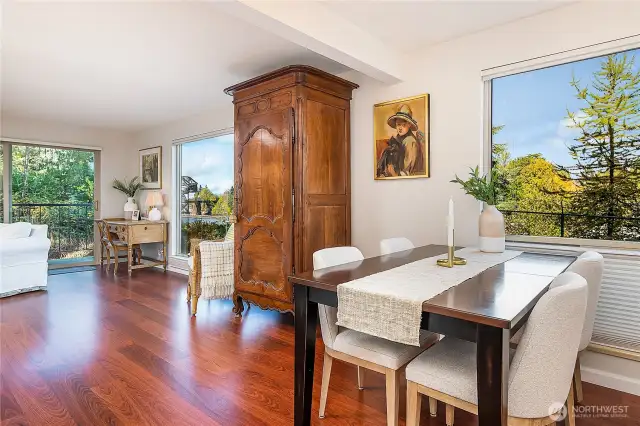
{"x":607,"y":151}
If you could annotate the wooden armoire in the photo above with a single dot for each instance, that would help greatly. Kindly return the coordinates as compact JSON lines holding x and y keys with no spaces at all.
{"x":292,"y":180}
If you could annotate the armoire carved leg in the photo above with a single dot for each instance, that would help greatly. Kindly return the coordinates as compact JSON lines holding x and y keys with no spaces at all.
{"x":238,"y":306}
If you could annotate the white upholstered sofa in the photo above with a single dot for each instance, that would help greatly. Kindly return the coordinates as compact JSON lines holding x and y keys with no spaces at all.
{"x":24,"y":250}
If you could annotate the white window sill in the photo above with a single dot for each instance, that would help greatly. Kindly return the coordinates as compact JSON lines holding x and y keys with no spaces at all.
{"x":571,"y":249}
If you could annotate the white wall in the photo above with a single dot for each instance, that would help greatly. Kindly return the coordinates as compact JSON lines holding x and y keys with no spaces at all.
{"x":450,"y":73}
{"x":215,"y":119}
{"x":116,"y":161}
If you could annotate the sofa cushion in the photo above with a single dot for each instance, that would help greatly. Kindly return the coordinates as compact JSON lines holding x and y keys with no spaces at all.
{"x":11,"y":231}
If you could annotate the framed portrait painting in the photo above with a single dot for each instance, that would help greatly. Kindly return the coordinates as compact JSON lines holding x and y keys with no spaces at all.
{"x":151,"y":167}
{"x":401,"y":138}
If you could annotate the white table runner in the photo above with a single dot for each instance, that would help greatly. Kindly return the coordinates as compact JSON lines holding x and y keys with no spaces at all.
{"x":389,"y":304}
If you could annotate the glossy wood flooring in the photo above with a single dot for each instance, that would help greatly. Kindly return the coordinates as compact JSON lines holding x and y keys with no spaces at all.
{"x":98,"y":350}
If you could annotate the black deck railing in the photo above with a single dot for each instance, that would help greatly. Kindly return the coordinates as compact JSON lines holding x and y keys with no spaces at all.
{"x":562,"y":219}
{"x":70,"y":226}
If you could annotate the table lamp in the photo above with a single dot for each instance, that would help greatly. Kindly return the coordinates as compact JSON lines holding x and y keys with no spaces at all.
{"x":154,"y":199}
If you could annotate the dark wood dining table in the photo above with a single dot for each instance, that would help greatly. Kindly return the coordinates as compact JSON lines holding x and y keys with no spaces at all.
{"x":487,"y":309}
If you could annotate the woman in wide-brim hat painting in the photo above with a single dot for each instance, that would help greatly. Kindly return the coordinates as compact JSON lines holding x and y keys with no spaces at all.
{"x":404,"y":155}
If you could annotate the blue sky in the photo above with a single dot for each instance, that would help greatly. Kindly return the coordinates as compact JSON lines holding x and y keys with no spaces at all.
{"x":210,"y":162}
{"x":533,"y":108}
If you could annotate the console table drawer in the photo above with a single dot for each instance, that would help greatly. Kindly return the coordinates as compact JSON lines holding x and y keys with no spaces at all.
{"x":147,"y":233}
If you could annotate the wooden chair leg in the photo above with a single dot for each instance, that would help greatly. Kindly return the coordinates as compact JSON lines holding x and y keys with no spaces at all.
{"x":108,"y":258}
{"x":101,"y":255}
{"x":194,"y":305}
{"x":326,"y":375}
{"x":116,"y":257}
{"x":571,"y":414}
{"x":433,"y":407}
{"x":449,"y":415}
{"x":577,"y":382}
{"x":360,"y":378}
{"x":188,"y":291}
{"x":393,"y":396}
{"x":414,"y":404}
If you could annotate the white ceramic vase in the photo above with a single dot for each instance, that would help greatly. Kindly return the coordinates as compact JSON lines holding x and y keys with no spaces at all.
{"x":491,"y":230}
{"x":129,"y":207}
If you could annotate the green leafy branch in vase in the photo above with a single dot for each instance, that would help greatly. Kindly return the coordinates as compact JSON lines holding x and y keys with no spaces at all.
{"x":129,"y":188}
{"x":482,"y":188}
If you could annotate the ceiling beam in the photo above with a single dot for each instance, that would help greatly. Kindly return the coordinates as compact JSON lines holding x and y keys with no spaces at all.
{"x":313,"y":26}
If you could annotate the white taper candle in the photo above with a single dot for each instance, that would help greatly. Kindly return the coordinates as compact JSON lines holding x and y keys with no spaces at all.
{"x":450,"y":224}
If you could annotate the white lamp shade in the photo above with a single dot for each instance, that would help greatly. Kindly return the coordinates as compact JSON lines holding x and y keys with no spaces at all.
{"x":154,"y":199}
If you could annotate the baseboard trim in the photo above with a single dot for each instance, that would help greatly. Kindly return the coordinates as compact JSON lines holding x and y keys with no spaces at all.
{"x":611,"y":380}
{"x":178,"y":270}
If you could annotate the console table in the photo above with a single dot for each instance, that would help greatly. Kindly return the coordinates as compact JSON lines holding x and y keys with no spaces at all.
{"x":141,"y":232}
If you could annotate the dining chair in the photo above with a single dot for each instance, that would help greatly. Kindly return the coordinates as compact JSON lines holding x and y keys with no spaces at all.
{"x":540,"y":371}
{"x":590,"y":266}
{"x":363,"y":350}
{"x":392,"y":245}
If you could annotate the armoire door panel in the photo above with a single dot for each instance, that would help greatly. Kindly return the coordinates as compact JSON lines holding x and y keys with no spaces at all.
{"x":264,"y":209}
{"x":261,"y":264}
{"x":325,"y":149}
{"x":325,"y":226}
{"x":263,"y":165}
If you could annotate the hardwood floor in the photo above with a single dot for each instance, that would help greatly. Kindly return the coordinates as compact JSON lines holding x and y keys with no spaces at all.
{"x":96,"y":350}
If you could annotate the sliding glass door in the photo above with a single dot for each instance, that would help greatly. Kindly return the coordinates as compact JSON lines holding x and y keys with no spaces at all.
{"x":55,"y":187}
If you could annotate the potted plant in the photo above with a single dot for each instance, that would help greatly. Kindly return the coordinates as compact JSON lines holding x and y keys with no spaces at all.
{"x":484,"y":188}
{"x":129,"y":188}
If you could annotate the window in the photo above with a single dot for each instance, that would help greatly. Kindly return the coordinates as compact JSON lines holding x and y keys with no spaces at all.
{"x":566,"y":149}
{"x":52,"y":186}
{"x":205,"y":199}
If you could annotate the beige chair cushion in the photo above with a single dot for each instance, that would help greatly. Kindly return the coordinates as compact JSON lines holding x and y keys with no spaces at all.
{"x":380,"y":351}
{"x":450,"y":367}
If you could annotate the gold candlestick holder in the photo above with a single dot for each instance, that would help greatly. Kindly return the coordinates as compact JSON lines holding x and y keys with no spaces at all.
{"x":451,"y":259}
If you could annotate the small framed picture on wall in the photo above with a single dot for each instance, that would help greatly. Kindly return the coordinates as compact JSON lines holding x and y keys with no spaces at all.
{"x":151,"y":167}
{"x":135,"y":215}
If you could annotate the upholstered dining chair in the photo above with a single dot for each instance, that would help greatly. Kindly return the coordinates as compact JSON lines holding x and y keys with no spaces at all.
{"x":589,"y":265}
{"x":363,"y":350}
{"x":392,"y":245}
{"x":541,"y":367}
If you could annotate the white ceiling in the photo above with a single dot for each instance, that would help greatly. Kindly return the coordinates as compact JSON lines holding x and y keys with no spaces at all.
{"x":134,"y":65}
{"x":129,"y":65}
{"x":412,"y":25}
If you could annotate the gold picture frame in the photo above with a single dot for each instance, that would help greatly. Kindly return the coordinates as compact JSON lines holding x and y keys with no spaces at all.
{"x":398,"y":155}
{"x":151,"y":167}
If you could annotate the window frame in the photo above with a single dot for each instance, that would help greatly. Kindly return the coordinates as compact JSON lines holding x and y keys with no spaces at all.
{"x":176,"y":174}
{"x":565,"y":57}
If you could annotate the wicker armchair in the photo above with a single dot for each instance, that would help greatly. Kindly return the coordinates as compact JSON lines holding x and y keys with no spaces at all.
{"x":194,"y":288}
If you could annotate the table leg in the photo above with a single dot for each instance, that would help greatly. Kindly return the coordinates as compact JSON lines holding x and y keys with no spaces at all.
{"x":306,"y":318}
{"x":129,"y":258}
{"x":493,"y":375}
{"x":164,"y":250}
